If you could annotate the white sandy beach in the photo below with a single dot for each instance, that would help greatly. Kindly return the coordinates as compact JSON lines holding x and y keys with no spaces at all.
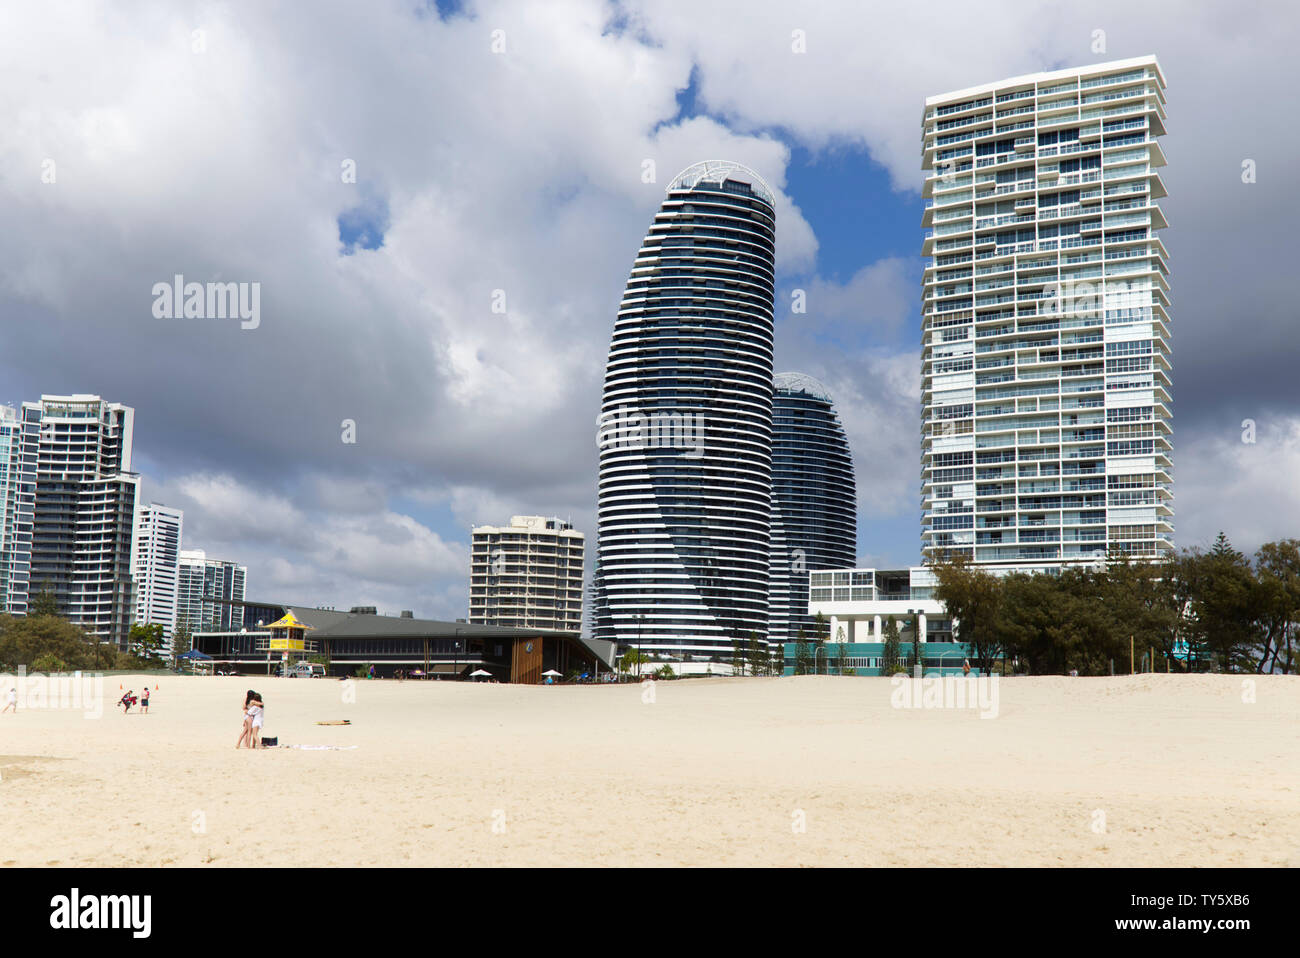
{"x":714,"y":772}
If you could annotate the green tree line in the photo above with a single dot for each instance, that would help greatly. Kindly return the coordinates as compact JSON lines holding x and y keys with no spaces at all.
{"x":44,"y":641}
{"x":1229,"y":612}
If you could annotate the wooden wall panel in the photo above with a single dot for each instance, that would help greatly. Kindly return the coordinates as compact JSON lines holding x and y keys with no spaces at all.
{"x":525,"y":665}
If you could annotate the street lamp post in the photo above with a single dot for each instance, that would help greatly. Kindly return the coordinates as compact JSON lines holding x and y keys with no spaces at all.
{"x":455,"y":656}
{"x":945,"y":655}
{"x":918,"y":668}
{"x":640,"y":618}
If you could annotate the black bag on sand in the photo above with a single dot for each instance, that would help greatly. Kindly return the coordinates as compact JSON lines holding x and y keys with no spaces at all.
{"x":271,"y":741}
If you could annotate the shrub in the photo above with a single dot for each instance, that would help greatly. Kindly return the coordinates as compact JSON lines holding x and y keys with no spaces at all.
{"x":49,"y":662}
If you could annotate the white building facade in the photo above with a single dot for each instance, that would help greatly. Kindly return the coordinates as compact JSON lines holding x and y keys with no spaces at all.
{"x":84,"y":512}
{"x":527,"y":574}
{"x":857,"y":604}
{"x":155,"y":565}
{"x":1046,"y":434}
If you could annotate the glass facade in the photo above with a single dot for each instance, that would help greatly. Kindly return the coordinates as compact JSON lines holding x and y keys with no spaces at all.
{"x":1046,"y":380}
{"x":209,"y":593}
{"x":814,"y":500}
{"x":19,"y":431}
{"x":685,"y":434}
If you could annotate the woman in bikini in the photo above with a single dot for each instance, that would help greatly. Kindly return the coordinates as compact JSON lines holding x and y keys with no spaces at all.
{"x":251,"y":699}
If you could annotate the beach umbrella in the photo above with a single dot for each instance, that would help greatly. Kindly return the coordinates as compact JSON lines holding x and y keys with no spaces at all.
{"x":478,"y":673}
{"x":552,"y":672}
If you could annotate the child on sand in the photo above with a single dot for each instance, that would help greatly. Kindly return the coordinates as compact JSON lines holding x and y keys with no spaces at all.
{"x":127,"y":700}
{"x":144,"y":701}
{"x":11,"y":702}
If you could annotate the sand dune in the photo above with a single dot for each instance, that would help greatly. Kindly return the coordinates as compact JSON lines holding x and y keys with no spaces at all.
{"x":1147,"y":770}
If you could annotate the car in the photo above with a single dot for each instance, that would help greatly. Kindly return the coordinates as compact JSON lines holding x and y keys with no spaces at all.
{"x":303,"y":670}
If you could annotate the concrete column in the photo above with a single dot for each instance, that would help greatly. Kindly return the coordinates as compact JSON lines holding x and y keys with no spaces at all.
{"x":835,"y":628}
{"x":876,"y":633}
{"x":920,"y":627}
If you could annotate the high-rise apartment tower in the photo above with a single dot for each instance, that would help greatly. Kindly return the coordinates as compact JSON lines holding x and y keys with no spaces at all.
{"x":84,"y":515}
{"x":1046,"y":371}
{"x":156,"y":566}
{"x":685,"y":432}
{"x":814,"y":500}
{"x":527,"y":575}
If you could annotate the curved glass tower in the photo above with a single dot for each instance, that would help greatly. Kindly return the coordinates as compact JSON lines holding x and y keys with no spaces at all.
{"x":685,"y":434}
{"x":814,"y":499}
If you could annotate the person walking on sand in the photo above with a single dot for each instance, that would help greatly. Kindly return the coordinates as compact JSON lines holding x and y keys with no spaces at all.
{"x":11,"y":702}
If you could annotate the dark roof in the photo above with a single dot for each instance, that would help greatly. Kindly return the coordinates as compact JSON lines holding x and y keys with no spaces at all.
{"x":329,"y":623}
{"x":364,"y":626}
{"x":602,"y":648}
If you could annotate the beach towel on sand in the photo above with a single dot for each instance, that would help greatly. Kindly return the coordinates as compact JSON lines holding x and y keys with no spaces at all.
{"x":321,"y":748}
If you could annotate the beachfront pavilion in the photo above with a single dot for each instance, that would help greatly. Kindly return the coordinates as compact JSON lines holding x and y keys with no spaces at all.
{"x":867,"y":658}
{"x":857,"y":604}
{"x":422,"y":648}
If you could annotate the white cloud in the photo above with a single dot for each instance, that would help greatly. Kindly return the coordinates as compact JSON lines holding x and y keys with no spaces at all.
{"x":350,"y":548}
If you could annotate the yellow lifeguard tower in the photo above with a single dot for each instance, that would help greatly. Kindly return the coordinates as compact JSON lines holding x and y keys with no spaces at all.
{"x":288,"y":636}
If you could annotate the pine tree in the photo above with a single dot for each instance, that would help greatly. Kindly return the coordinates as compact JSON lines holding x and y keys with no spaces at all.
{"x":755,"y":654}
{"x":44,"y":603}
{"x":737,"y":658}
{"x":891,"y":657}
{"x":181,"y":636}
{"x":802,"y":655}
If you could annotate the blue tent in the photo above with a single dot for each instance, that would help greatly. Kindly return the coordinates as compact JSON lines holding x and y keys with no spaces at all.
{"x":193,"y":654}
